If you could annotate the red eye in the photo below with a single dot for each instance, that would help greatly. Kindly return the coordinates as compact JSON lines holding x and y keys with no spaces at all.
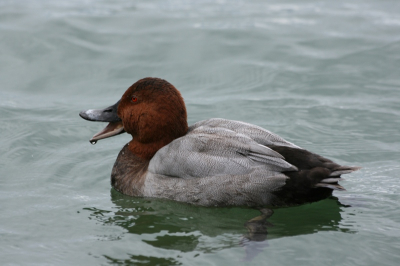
{"x":134,"y":99}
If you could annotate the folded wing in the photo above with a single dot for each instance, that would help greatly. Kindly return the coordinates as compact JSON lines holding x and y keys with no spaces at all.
{"x":219,"y":147}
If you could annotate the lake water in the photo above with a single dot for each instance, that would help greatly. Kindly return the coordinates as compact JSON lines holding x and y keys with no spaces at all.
{"x":322,"y":74}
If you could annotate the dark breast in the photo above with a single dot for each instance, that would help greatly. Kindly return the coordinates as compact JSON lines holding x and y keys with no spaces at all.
{"x":129,"y":172}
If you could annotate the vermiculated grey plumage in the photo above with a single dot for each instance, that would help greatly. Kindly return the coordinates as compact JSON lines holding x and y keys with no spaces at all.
{"x":224,"y":162}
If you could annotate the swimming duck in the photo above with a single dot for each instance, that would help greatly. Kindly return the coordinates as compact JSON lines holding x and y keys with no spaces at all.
{"x":215,"y":162}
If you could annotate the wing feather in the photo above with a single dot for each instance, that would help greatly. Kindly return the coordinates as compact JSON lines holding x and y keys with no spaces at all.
{"x":212,"y":150}
{"x":258,"y":134}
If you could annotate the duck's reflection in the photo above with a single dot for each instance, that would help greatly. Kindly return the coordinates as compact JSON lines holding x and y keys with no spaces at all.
{"x":185,"y":228}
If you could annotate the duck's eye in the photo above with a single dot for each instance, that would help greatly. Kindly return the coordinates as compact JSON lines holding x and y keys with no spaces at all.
{"x":134,"y":99}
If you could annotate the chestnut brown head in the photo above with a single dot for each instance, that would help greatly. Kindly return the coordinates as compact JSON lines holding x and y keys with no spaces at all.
{"x":151,"y":110}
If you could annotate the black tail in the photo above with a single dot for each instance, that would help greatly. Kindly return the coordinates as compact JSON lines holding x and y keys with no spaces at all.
{"x":315,"y":180}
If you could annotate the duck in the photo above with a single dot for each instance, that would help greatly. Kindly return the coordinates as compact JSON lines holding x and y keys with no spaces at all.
{"x":214,"y":162}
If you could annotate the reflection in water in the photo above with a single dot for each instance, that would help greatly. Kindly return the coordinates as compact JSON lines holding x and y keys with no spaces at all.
{"x":187,"y":228}
{"x":143,"y":260}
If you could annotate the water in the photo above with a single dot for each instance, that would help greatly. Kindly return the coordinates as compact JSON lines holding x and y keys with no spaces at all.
{"x":324,"y":75}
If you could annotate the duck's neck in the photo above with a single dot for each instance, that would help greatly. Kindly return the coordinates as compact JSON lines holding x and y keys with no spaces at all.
{"x":146,"y":151}
{"x":147,"y":141}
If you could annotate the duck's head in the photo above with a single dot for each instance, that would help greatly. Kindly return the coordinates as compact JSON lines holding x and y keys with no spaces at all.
{"x":151,"y":110}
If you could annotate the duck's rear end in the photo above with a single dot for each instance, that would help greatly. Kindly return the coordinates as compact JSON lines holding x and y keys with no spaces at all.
{"x":315,"y":179}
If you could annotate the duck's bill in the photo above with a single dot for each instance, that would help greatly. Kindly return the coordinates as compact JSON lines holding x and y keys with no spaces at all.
{"x":112,"y":129}
{"x":108,"y":114}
